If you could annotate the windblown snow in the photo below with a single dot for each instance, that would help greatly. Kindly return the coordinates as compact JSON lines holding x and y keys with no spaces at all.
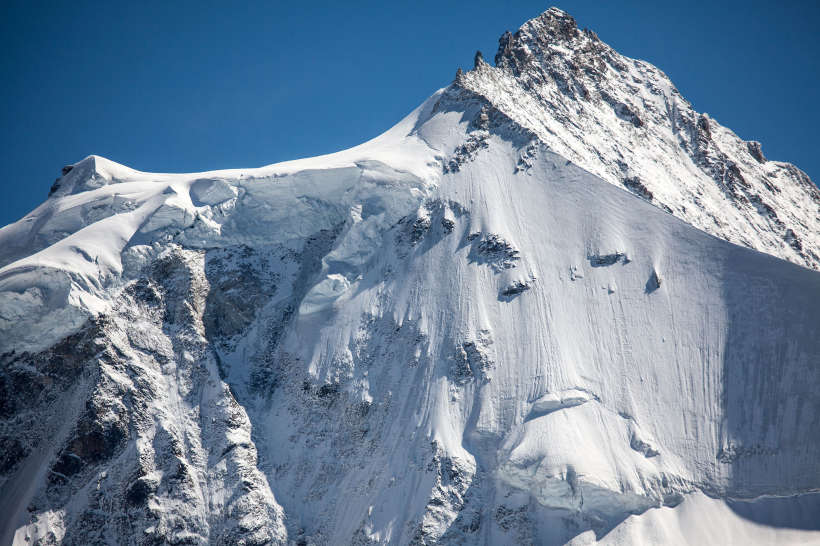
{"x":463,"y":331}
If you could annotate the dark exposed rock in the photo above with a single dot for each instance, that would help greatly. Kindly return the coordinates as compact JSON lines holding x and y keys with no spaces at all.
{"x":756,"y":151}
{"x":478,"y":59}
{"x":327,"y":391}
{"x":68,"y":464}
{"x":703,"y":126}
{"x":634,"y":184}
{"x":653,"y":283}
{"x":643,"y":447}
{"x":793,"y":240}
{"x":241,"y":281}
{"x":732,"y":452}
{"x":54,"y":187}
{"x":471,"y":360}
{"x":29,"y":380}
{"x":419,"y":229}
{"x":505,"y":48}
{"x":493,"y":250}
{"x":434,"y":220}
{"x":515,"y":289}
{"x":451,"y":483}
{"x":465,"y":152}
{"x":603,"y":260}
{"x":764,"y":209}
{"x":622,"y":110}
{"x":12,"y":451}
{"x":510,"y":518}
{"x":461,"y":99}
{"x":100,"y":434}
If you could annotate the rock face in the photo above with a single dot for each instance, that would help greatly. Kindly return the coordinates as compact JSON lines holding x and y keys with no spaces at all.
{"x":623,"y":120}
{"x":463,"y":332}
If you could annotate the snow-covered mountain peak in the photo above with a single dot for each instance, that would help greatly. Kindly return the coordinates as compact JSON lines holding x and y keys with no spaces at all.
{"x":623,"y":120}
{"x":553,"y":41}
{"x":551,"y":32}
{"x":458,"y":332}
{"x":91,"y":173}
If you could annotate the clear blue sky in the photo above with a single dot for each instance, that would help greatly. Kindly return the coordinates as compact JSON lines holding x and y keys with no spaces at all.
{"x":189,"y":86}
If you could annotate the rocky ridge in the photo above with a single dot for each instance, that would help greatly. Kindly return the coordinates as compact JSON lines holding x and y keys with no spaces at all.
{"x":623,"y":120}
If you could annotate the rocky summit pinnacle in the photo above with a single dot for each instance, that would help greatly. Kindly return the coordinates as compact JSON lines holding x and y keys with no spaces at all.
{"x":554,"y":26}
{"x":516,"y":317}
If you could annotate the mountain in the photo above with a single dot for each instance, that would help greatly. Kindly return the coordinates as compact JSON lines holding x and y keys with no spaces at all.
{"x":463,"y":331}
{"x":623,"y":120}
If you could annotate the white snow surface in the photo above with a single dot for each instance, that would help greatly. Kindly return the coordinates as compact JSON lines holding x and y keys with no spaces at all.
{"x":61,"y":259}
{"x":458,"y":332}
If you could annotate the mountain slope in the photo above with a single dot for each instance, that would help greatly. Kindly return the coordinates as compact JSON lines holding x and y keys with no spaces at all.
{"x":623,"y":120}
{"x":451,"y":334}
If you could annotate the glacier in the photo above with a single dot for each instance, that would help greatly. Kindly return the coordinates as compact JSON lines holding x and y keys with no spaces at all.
{"x":553,"y":305}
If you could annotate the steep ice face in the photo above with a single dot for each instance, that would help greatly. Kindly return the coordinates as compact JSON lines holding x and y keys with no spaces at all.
{"x":451,"y":333}
{"x":623,"y":120}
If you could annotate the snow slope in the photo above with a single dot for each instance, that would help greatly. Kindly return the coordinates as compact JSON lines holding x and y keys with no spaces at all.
{"x":456,"y":332}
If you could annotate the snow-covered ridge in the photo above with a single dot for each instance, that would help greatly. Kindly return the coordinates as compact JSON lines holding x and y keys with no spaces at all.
{"x":449,"y":334}
{"x":61,"y":263}
{"x":623,"y":120}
